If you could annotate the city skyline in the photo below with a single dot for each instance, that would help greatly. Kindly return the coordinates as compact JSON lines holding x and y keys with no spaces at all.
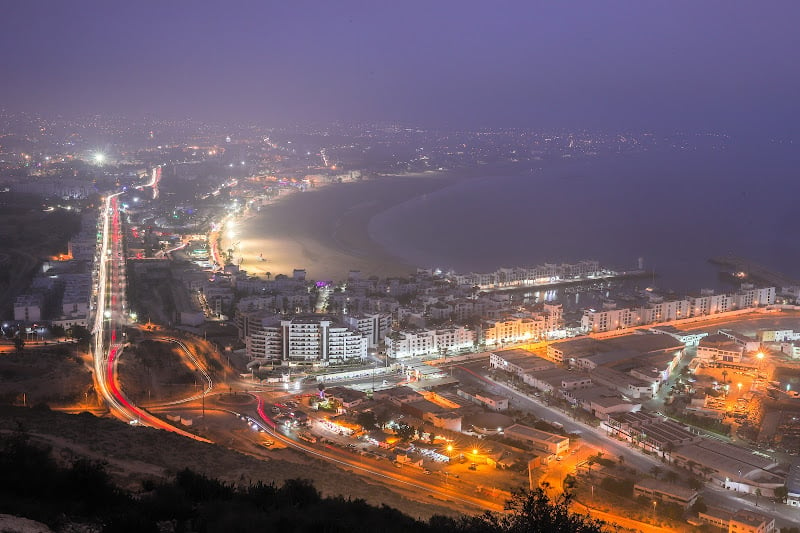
{"x":444,"y":266}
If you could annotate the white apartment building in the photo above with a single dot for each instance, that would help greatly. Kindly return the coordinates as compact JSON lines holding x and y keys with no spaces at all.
{"x":511,"y":277}
{"x":263,"y":337}
{"x":28,"y":307}
{"x":707,"y":303}
{"x":513,"y":329}
{"x":719,"y":349}
{"x":313,"y":340}
{"x":374,"y":325}
{"x":75,"y":302}
{"x":522,"y":327}
{"x":429,"y":342}
{"x":316,"y":340}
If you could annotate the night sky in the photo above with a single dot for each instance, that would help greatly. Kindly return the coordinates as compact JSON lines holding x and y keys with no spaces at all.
{"x":702,"y":65}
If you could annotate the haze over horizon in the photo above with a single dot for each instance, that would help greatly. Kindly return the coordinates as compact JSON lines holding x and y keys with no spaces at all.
{"x":677,"y":65}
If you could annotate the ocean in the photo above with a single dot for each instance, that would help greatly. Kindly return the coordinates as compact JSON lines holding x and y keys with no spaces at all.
{"x":674,"y":209}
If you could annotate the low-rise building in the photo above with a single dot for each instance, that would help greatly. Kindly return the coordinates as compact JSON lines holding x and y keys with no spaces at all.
{"x":650,"y":432}
{"x":688,"y":338}
{"x":749,"y":344}
{"x":348,"y":398}
{"x":628,"y":385}
{"x":719,"y":349}
{"x":746,"y":521}
{"x":791,"y":348}
{"x":793,"y":486}
{"x":518,"y":361}
{"x":572,"y":349}
{"x":398,"y":395}
{"x":714,"y":516}
{"x":554,"y":380}
{"x":734,"y":468}
{"x":601,"y":402}
{"x":662,"y":491}
{"x":540,"y":440}
{"x":495,"y":402}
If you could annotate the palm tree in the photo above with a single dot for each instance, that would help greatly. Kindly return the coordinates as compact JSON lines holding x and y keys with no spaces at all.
{"x":758,"y":493}
{"x":668,"y":448}
{"x":724,"y":377}
{"x":656,"y":471}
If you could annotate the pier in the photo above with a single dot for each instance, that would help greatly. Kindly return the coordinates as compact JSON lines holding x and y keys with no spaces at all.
{"x":748,"y":270}
{"x":576,"y":281}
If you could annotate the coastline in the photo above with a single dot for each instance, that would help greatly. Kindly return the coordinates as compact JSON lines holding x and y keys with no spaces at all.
{"x":325,"y":230}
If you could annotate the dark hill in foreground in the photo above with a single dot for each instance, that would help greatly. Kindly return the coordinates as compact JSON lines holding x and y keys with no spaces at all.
{"x":73,"y":492}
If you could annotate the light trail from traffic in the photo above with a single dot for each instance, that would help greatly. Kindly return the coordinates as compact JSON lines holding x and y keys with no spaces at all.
{"x":451,"y":496}
{"x":109,"y":313}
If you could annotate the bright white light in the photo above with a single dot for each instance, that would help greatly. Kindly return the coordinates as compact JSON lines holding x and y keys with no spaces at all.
{"x":230,"y":234}
{"x":99,"y":158}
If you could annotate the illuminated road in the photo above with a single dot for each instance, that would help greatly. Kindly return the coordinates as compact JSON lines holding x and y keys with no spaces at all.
{"x":110,"y":316}
{"x":442,"y":495}
{"x":206,"y":376}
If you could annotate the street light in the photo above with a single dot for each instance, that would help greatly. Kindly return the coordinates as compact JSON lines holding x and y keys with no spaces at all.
{"x":740,"y":388}
{"x":654,"y":510}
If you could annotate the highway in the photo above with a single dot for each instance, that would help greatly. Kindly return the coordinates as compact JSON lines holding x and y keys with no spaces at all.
{"x":404,"y":478}
{"x":109,"y":320}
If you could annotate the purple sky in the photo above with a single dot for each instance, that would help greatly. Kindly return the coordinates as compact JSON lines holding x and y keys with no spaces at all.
{"x":596,"y":64}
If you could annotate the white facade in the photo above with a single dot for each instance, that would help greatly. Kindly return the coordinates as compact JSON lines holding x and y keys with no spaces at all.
{"x":28,"y":307}
{"x":719,"y":349}
{"x":77,"y":293}
{"x":304,"y":340}
{"x":429,"y":342}
{"x":316,"y":340}
{"x":375,"y":326}
{"x":538,"y":275}
{"x":694,"y":306}
{"x":522,"y":327}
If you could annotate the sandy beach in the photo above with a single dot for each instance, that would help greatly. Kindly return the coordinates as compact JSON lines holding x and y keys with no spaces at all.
{"x":324,"y":231}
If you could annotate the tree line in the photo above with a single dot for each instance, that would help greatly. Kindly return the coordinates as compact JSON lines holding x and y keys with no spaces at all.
{"x":37,"y":487}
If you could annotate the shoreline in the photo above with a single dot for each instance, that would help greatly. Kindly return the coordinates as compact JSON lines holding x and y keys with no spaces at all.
{"x":325,"y":231}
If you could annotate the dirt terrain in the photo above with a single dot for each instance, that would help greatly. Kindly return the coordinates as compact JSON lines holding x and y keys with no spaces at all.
{"x":54,"y":374}
{"x":133,"y":454}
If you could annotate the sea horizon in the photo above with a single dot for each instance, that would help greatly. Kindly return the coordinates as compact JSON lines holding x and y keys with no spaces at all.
{"x":675,"y":210}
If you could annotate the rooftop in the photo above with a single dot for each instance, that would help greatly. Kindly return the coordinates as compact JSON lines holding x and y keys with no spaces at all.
{"x":750,"y":518}
{"x":533,"y":433}
{"x":682,"y":493}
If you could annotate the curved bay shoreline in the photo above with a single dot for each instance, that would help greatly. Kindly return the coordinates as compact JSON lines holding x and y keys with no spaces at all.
{"x":325,"y":231}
